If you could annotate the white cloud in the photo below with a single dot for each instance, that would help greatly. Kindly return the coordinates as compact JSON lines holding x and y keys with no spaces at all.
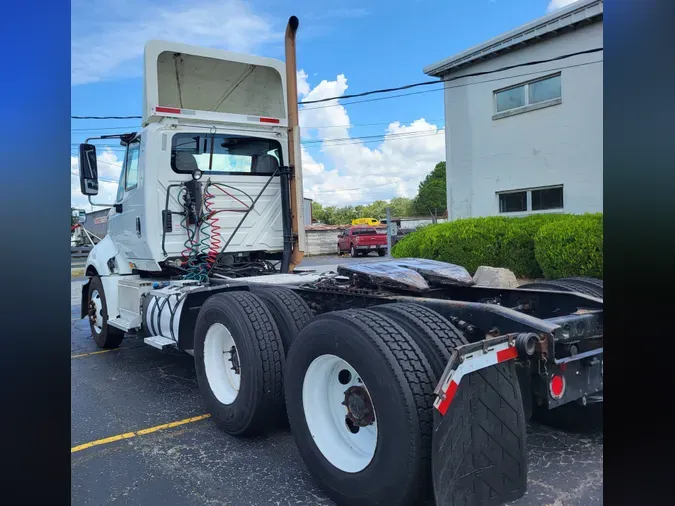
{"x":393,"y":167}
{"x":554,"y":5}
{"x":303,"y":85}
{"x":109,"y":168}
{"x":107,"y":36}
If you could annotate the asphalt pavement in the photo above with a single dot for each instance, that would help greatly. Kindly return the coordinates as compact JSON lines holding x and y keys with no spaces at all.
{"x":122,"y":400}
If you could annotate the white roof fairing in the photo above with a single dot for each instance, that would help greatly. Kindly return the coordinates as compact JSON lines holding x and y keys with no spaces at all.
{"x":212,"y":80}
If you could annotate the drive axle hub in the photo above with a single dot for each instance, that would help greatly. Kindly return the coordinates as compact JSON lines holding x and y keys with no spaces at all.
{"x":92,"y":312}
{"x":359,"y":406}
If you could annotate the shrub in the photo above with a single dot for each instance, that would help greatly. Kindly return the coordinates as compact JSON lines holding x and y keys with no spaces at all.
{"x":468,"y":242}
{"x":571,"y":247}
{"x":517,"y":248}
{"x":575,"y":249}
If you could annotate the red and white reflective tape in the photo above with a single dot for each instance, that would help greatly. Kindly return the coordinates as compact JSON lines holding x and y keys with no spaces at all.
{"x":472,"y":362}
{"x":172,"y":110}
{"x":236,"y":118}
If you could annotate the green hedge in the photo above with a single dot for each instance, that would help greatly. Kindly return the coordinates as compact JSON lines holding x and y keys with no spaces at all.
{"x":469,"y":243}
{"x":517,"y":248}
{"x":572,"y":247}
{"x":551,"y":245}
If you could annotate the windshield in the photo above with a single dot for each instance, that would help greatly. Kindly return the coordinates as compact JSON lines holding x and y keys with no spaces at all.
{"x":364,"y":231}
{"x":232,"y":154}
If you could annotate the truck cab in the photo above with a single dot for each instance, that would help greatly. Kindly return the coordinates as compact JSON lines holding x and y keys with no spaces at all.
{"x":211,"y":179}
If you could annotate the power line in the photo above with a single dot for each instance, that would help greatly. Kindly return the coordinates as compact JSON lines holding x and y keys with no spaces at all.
{"x":307,"y":127}
{"x":374,"y":138}
{"x":408,"y":86}
{"x":104,"y":179}
{"x":106,"y":117}
{"x":366,"y":190}
{"x":474,"y":74}
{"x":101,"y":129}
{"x":342,"y":141}
{"x":451,"y":87}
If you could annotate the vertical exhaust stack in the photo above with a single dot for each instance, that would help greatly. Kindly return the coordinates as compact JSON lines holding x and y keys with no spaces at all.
{"x":294,"y":146}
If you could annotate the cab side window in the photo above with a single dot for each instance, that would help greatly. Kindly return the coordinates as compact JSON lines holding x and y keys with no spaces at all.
{"x":120,"y":187}
{"x":131,"y":165}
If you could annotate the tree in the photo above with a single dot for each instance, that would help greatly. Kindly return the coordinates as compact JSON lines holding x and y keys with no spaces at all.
{"x":400,"y":207}
{"x":431,"y":194}
{"x":318,"y":212}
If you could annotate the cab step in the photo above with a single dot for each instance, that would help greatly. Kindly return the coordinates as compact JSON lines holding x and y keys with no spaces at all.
{"x":159,"y":342}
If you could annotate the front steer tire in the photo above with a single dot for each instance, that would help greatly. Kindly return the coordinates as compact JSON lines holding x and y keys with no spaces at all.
{"x":109,"y":337}
{"x":259,"y":403}
{"x":399,"y":380}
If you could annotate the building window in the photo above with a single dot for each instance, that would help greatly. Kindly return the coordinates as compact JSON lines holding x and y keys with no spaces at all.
{"x":547,"y":198}
{"x":536,"y":199}
{"x":528,"y":94}
{"x":510,"y":99}
{"x":545,"y":89}
{"x":513,"y":202}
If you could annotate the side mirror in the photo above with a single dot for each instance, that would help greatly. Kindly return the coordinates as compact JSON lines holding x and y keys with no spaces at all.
{"x":88,"y":170}
{"x":80,"y":216}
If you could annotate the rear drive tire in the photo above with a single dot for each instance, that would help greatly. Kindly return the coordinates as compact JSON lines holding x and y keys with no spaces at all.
{"x":290,"y":312}
{"x":479,"y":452}
{"x":239,"y":360}
{"x":386,"y":459}
{"x":435,"y":335}
{"x":104,"y":335}
{"x":565,"y":286}
{"x":593,"y":283}
{"x":381,"y":252}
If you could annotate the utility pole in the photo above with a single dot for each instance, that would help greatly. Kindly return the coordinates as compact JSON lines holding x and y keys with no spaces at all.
{"x":388,"y":232}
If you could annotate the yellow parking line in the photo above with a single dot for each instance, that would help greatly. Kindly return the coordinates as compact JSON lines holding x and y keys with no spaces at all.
{"x":141,"y":432}
{"x":93,"y":353}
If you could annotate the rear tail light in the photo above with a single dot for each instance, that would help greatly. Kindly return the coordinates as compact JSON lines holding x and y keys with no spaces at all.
{"x":557,"y":386}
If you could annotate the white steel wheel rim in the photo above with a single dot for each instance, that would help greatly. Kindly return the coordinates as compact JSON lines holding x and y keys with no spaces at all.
{"x":323,"y":392}
{"x":221,"y":358}
{"x":98,"y":312}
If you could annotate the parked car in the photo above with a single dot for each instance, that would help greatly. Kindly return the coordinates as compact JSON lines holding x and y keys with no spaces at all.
{"x":360,"y":240}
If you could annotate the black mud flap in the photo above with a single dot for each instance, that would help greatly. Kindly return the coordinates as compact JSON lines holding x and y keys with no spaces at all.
{"x":85,"y":297}
{"x":478,"y":444}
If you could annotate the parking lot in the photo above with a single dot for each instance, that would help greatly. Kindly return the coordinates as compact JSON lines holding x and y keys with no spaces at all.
{"x":140,"y":436}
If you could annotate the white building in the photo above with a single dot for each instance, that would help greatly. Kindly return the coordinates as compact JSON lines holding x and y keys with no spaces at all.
{"x":528,"y":139}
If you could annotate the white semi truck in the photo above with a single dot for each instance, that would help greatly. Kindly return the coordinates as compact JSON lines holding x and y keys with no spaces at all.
{"x":203,"y":244}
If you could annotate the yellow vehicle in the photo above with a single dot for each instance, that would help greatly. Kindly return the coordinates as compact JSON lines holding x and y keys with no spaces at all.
{"x":366,"y":221}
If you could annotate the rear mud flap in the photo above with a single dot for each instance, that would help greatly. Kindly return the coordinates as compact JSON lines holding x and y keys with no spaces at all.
{"x":478,"y":444}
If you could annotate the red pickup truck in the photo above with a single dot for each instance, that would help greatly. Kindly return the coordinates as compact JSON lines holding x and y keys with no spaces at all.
{"x":362,"y":240}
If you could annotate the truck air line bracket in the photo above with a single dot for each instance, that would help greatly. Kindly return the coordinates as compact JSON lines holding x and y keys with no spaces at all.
{"x":475,"y":356}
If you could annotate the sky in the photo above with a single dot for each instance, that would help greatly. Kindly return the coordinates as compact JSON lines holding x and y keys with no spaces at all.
{"x":352,"y":47}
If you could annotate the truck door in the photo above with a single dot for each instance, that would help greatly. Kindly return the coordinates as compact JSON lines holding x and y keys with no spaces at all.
{"x":126,"y":225}
{"x":341,"y":241}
